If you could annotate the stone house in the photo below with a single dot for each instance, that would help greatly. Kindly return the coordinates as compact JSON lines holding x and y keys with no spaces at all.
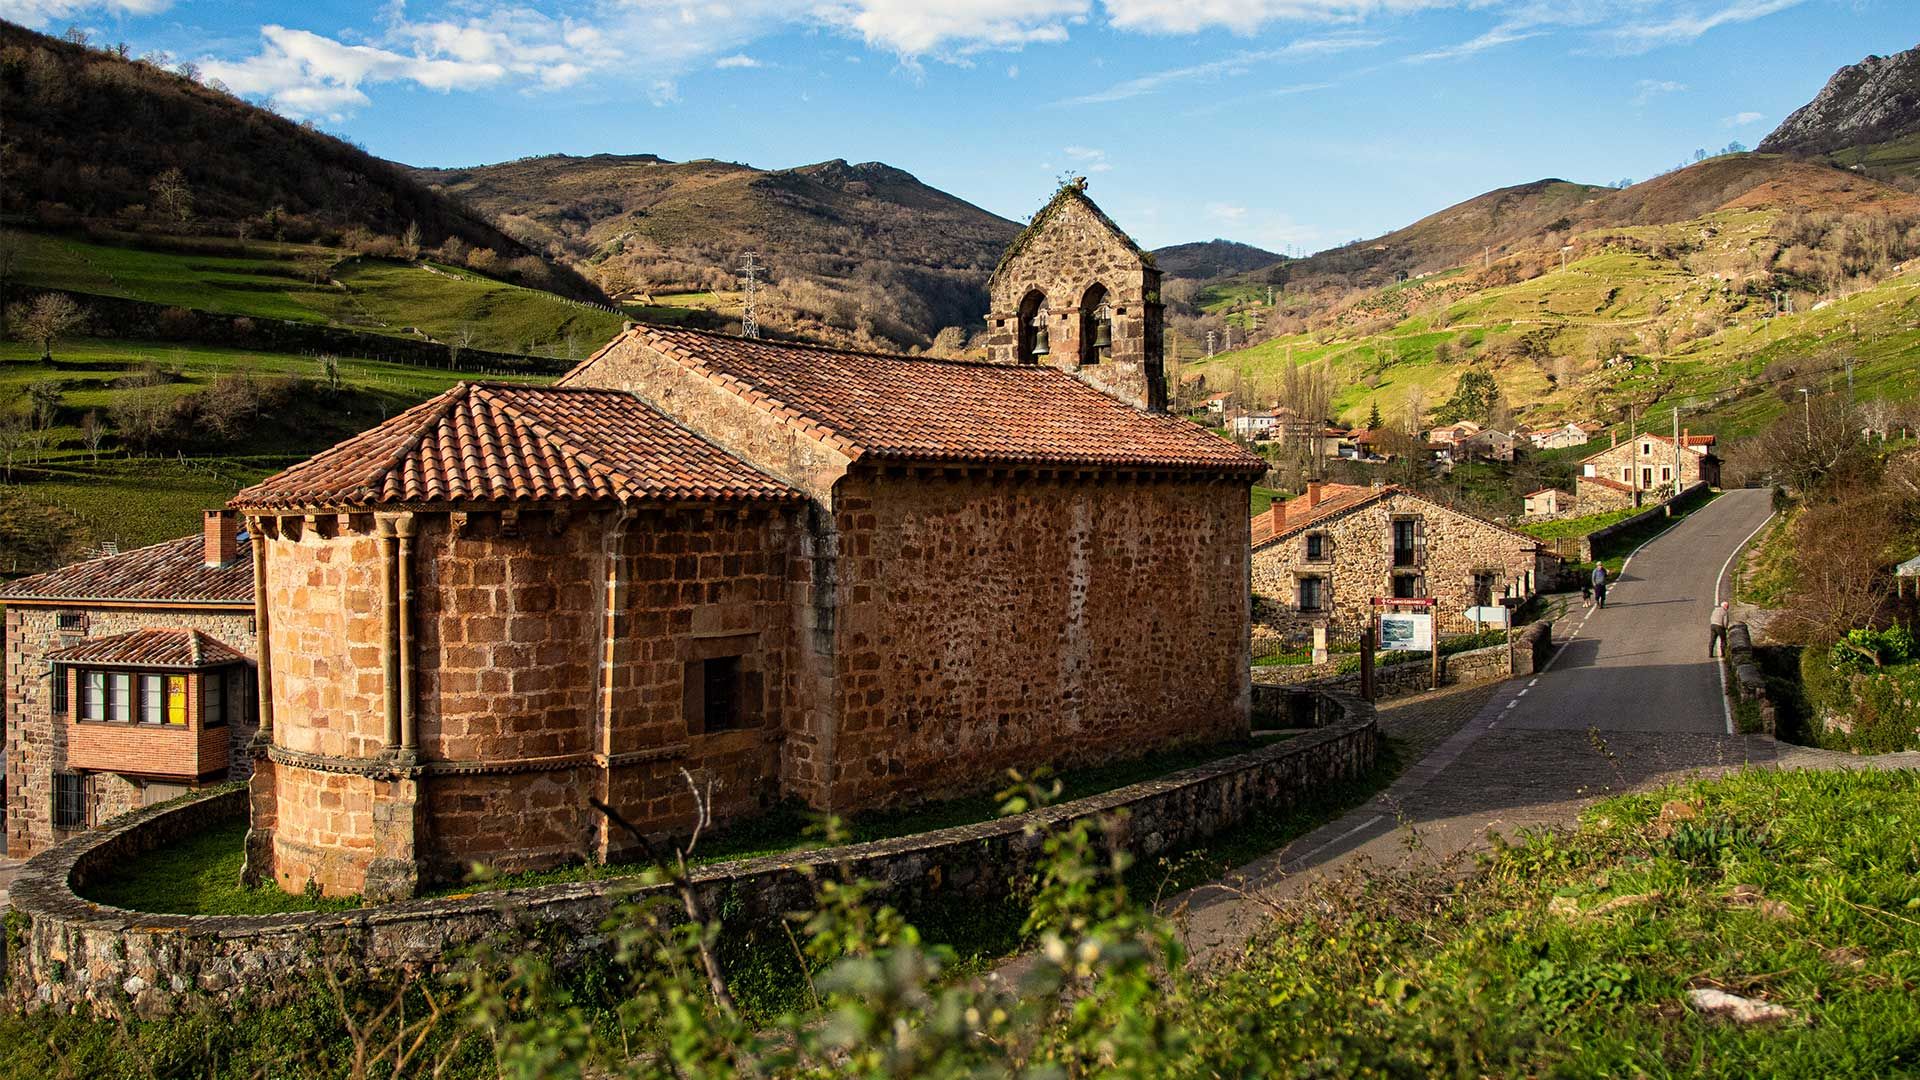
{"x":1646,"y":464}
{"x":129,"y":681}
{"x":1321,"y":559}
{"x":1488,"y":445}
{"x":1254,"y":426}
{"x":1547,"y":503}
{"x":1599,"y":494}
{"x":793,"y":573}
{"x":1454,"y":434}
{"x":1559,"y":438}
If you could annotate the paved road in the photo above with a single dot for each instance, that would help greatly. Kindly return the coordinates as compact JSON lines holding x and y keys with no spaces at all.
{"x":1629,"y":700}
{"x":1640,"y":664}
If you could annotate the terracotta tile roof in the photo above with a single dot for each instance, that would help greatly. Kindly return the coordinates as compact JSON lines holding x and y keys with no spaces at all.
{"x":1337,"y":500}
{"x":1543,"y":491}
{"x":1701,"y":444}
{"x":489,"y":442}
{"x":875,"y":405}
{"x":151,"y":648}
{"x":1604,"y":481}
{"x":172,"y":572}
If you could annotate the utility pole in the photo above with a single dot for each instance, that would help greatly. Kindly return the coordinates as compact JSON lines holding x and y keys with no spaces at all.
{"x":1209,"y":344}
{"x":1676,"y":451}
{"x":749,"y":287}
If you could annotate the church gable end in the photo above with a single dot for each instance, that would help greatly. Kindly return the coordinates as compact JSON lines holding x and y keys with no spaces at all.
{"x":1074,"y":292}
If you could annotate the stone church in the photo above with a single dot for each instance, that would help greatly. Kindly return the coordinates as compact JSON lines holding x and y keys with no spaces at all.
{"x":785,"y":572}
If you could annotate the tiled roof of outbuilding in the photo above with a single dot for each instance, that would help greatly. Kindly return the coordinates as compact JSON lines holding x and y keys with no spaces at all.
{"x":151,"y":648}
{"x":927,"y":410}
{"x":172,"y":572}
{"x":492,"y":442}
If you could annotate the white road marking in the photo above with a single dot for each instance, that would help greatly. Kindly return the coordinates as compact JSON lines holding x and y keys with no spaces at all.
{"x":1523,"y":692}
{"x":1533,"y":684}
{"x":1512,"y":703}
{"x":1719,"y":583}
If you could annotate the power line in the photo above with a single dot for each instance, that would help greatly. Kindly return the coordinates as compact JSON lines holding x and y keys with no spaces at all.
{"x":749,"y":287}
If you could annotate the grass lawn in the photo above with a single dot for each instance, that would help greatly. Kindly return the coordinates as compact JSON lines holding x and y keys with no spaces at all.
{"x":1566,"y":528}
{"x":1263,"y":498}
{"x":1574,"y":954}
{"x":201,"y":876}
{"x":1764,"y":575}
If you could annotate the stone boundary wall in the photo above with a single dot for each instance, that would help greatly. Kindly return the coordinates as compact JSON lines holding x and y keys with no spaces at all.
{"x":71,"y":954}
{"x":1532,"y":644}
{"x":1744,"y":676}
{"x":1663,"y":509}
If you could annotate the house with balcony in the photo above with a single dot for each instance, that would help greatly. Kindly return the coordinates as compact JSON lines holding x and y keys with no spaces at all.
{"x":1322,"y":558}
{"x":130,"y":681}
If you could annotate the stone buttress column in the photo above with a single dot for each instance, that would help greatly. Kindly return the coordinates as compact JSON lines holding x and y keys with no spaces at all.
{"x":262,"y":792}
{"x":394,"y":873}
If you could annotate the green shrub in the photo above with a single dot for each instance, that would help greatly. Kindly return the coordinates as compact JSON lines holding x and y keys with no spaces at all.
{"x":1880,"y":705}
{"x":1862,"y":649}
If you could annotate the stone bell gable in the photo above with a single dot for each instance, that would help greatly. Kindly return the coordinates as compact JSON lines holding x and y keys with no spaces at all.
{"x":1074,"y":292}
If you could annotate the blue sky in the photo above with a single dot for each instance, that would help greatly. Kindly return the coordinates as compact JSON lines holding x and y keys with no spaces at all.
{"x":1293,"y":124}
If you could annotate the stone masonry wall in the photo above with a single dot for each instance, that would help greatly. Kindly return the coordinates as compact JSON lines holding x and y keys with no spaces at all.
{"x":1645,"y":463}
{"x":36,"y":742}
{"x":1532,"y":645}
{"x":1359,"y":566}
{"x":994,"y":622}
{"x":74,"y":955}
{"x":1062,"y":258}
{"x":522,"y":716}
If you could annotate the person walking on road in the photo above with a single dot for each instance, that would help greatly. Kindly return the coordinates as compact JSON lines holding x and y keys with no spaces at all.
{"x":1717,"y":629}
{"x":1600,"y":584}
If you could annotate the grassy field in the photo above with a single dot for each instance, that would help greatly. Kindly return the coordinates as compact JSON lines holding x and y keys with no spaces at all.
{"x":304,"y":283}
{"x":1764,"y":576}
{"x":1578,"y":954}
{"x":1564,"y":528}
{"x":133,"y":500}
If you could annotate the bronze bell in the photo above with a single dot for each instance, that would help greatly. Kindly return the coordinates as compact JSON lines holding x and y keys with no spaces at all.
{"x":1103,"y":333}
{"x":1040,"y":334}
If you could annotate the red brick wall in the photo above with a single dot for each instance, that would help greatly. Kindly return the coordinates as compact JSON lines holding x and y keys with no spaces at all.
{"x":990,"y":623}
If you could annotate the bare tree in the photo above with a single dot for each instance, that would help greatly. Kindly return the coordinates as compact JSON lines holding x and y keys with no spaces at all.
{"x":45,"y":320}
{"x":93,"y":433}
{"x":172,"y":195}
{"x":13,"y":439}
{"x":460,"y":342}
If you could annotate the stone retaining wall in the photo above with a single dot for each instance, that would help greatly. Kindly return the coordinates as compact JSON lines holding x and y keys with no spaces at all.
{"x":1531,"y":647}
{"x":73,"y":954}
{"x":1661,"y":509}
{"x":1745,"y":678}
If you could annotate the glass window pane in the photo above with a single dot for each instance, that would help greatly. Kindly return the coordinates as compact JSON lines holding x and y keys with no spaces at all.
{"x":120,"y":696}
{"x":213,"y":710}
{"x":177,"y":699}
{"x":93,"y":696}
{"x":150,"y":703}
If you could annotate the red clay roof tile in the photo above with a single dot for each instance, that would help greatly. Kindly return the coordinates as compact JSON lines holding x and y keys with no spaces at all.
{"x":151,"y":648}
{"x":930,"y":410}
{"x":172,"y":572}
{"x":490,"y":442}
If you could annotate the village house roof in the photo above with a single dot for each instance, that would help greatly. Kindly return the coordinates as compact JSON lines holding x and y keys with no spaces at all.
{"x":1607,"y":482}
{"x":1543,"y":491}
{"x":1699,"y":444}
{"x":913,"y":409}
{"x":495,"y":442}
{"x":152,"y":649}
{"x":174,"y":572}
{"x":1339,"y":500}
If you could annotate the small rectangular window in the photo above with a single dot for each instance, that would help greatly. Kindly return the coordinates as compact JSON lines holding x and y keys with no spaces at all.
{"x":1312,"y":593}
{"x":152,"y":701}
{"x":93,"y":695}
{"x":57,"y":686}
{"x":1316,"y":546}
{"x":120,"y":697}
{"x":1407,"y":587}
{"x":239,"y":695}
{"x":213,"y":711}
{"x":177,"y":700}
{"x":69,"y":801}
{"x":721,"y":693}
{"x":73,"y":620}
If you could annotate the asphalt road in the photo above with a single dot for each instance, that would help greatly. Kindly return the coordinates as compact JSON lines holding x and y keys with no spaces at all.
{"x":1640,"y":664}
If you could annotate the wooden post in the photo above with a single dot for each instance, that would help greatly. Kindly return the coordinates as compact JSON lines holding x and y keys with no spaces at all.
{"x":1433,"y":654}
{"x":1367,"y":689}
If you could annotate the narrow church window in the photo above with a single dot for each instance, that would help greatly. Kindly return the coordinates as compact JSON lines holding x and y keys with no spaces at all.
{"x":1096,"y":325}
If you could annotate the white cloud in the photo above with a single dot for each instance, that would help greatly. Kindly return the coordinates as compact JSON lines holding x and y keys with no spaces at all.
{"x":1239,"y":63}
{"x":737,"y":60}
{"x":914,"y":28}
{"x":1742,"y":119}
{"x":1653,"y":88}
{"x":1690,"y":25}
{"x":1013,"y":71}
{"x":1247,"y":16}
{"x":1505,"y":34}
{"x":38,"y":13}
{"x":1227,"y":212}
{"x":1087,"y":159}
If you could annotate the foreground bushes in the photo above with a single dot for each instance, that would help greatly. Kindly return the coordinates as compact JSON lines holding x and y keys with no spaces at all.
{"x":1569,"y":954}
{"x":1853,"y":705}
